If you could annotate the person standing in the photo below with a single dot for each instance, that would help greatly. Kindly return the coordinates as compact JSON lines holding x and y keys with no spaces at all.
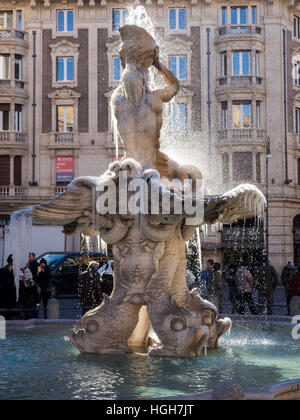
{"x":231,"y":280}
{"x":215,"y":286}
{"x":295,"y":291}
{"x":33,"y":265}
{"x":90,"y":291}
{"x":44,"y":284}
{"x":265,"y":282}
{"x":244,"y":282}
{"x":7,"y":289}
{"x":107,"y":278}
{"x":286,"y":282}
{"x":28,"y":295}
{"x":207,"y":276}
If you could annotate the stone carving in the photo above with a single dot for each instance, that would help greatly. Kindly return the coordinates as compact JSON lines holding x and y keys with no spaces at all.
{"x":149,"y":248}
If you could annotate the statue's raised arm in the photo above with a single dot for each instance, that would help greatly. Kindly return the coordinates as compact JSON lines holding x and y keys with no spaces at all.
{"x":167,"y":93}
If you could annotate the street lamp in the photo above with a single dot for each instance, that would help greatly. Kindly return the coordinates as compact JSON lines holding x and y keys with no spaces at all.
{"x":268,"y":157}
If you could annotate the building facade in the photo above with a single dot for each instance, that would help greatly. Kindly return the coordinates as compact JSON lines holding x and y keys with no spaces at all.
{"x":238,"y":63}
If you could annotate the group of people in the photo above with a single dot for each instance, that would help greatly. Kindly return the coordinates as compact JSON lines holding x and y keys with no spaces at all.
{"x":243,"y":281}
{"x":34,"y":288}
{"x":94,"y":284}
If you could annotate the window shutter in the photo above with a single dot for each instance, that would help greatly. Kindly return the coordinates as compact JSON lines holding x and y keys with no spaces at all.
{"x":4,"y":170}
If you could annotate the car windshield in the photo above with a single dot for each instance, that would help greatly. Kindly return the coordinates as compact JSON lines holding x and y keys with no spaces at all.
{"x":53,"y":260}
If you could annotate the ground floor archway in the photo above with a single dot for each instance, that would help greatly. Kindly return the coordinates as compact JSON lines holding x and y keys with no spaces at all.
{"x":296,"y":231}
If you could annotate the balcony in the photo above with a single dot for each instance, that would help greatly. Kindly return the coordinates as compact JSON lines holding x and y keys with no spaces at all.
{"x":12,"y":191}
{"x":240,"y":81}
{"x":64,"y":140}
{"x":12,"y":83}
{"x":12,"y":138}
{"x":13,"y":36}
{"x":60,"y":190}
{"x":241,"y":136}
{"x":236,"y":32}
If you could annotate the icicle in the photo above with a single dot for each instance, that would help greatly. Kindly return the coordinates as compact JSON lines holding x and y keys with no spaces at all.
{"x":199,"y":247}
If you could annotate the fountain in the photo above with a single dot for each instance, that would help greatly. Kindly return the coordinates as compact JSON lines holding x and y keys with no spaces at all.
{"x":147,"y":206}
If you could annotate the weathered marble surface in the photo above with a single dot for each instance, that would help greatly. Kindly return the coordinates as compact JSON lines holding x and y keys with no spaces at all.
{"x":149,"y":250}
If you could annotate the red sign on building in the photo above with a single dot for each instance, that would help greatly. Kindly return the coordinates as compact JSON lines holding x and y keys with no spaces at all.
{"x":64,"y":168}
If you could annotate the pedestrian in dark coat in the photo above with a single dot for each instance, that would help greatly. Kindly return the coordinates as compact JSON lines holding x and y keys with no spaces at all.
{"x":33,"y":265}
{"x":90,"y":291}
{"x":28,"y":295}
{"x":44,"y":284}
{"x":265,"y":282}
{"x":7,"y":289}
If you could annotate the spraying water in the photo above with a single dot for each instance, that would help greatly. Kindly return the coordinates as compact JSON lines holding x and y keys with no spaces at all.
{"x":18,"y":241}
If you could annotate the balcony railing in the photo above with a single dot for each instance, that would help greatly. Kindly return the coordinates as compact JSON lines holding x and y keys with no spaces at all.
{"x":245,"y":134}
{"x":59,"y":190}
{"x":12,"y":137}
{"x":244,"y":31}
{"x":11,"y":34}
{"x":11,"y":191}
{"x":64,"y":138}
{"x":240,"y":81}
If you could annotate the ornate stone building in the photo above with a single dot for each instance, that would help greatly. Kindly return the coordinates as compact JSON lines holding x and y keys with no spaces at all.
{"x":238,"y":63}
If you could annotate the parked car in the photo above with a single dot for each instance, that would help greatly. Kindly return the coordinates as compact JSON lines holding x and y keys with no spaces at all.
{"x":67,"y":267}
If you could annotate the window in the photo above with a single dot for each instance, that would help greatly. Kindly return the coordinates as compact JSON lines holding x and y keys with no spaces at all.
{"x":6,"y":20}
{"x":18,"y":67}
{"x":224,"y":111}
{"x":224,"y":64}
{"x":241,"y":112}
{"x":297,"y":74}
{"x":18,"y":171}
{"x":18,"y":118}
{"x":241,"y":63}
{"x":65,"y":119}
{"x":117,"y":70}
{"x":65,"y":21}
{"x":120,"y":17}
{"x":177,"y":65}
{"x":4,"y":117}
{"x":297,"y":120}
{"x":177,"y":19}
{"x":65,"y":69}
{"x":19,"y":20}
{"x":178,"y":117}
{"x":224,"y":16}
{"x":258,"y":115}
{"x":258,"y":167}
{"x":239,"y":16}
{"x":4,"y":66}
{"x":296,"y":27}
{"x":4,"y":170}
{"x":254,"y":15}
{"x":225,"y":167}
{"x":242,"y":166}
{"x":257,"y":63}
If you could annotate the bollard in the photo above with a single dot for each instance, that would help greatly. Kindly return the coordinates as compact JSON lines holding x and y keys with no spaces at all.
{"x":53,"y":309}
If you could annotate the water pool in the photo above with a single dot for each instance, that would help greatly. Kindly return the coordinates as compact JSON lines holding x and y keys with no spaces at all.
{"x":43,"y":364}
